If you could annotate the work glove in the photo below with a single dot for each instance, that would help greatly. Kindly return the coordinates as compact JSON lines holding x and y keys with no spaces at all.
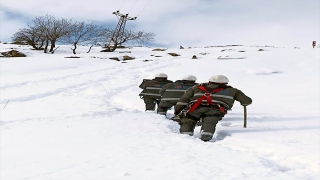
{"x":176,"y":113}
{"x":176,"y":118}
{"x":199,"y":123}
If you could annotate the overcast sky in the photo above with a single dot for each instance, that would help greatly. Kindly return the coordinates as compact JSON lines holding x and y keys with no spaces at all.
{"x":283,"y":23}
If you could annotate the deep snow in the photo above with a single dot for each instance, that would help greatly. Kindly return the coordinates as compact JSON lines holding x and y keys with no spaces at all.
{"x":82,"y":118}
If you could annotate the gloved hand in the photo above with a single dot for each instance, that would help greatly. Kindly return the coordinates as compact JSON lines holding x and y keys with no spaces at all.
{"x":176,"y":118}
{"x":199,"y":123}
{"x":176,"y":113}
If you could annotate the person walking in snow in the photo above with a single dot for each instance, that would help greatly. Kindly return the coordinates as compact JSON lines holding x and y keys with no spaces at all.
{"x":151,"y":87}
{"x":172,"y":92}
{"x":209,"y":102}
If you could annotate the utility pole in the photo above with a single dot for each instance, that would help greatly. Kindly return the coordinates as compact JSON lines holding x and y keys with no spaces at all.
{"x":118,"y":32}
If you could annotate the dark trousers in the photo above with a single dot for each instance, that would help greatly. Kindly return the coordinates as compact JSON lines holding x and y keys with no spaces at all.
{"x":164,"y":106}
{"x":150,"y":103}
{"x":210,"y":117}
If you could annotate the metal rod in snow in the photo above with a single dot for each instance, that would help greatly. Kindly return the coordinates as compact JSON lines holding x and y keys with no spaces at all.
{"x":245,"y":116}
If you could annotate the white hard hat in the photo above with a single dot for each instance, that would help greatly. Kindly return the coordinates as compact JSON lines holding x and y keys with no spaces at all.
{"x":219,"y":79}
{"x":161,"y":75}
{"x":189,"y":78}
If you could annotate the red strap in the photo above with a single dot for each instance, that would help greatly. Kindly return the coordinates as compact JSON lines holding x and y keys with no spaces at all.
{"x":222,"y":109}
{"x":196,"y":104}
{"x":202,"y":88}
{"x":206,"y":96}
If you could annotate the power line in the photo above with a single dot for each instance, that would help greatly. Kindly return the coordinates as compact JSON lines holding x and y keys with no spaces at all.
{"x":156,"y":39}
{"x":122,"y":4}
{"x":144,"y":7}
{"x":133,"y":5}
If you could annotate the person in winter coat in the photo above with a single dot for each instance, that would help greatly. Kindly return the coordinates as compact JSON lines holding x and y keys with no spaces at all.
{"x":209,"y":102}
{"x":172,"y":92}
{"x":151,"y":87}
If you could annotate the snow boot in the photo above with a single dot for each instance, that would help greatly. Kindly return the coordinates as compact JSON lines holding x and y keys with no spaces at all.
{"x":206,"y":136}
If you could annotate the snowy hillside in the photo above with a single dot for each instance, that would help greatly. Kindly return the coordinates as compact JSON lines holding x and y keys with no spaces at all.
{"x":82,"y":119}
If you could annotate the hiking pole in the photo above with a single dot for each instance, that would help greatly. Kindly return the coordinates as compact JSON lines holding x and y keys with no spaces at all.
{"x":245,"y":116}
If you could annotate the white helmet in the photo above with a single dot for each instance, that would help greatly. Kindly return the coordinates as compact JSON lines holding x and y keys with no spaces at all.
{"x":161,"y":75}
{"x":189,"y":78}
{"x":219,"y":79}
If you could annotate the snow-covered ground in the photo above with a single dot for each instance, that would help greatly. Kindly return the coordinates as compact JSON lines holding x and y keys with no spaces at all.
{"x":82,"y":119}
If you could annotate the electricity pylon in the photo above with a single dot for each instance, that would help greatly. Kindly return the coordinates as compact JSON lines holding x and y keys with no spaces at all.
{"x":118,"y":32}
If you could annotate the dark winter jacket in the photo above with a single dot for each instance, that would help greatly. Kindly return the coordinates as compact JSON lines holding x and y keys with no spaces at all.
{"x":151,"y":87}
{"x":225,"y":98}
{"x":173,"y":91}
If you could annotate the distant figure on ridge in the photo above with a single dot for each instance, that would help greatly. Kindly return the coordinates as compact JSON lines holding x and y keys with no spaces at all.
{"x":151,"y":87}
{"x":209,"y":102}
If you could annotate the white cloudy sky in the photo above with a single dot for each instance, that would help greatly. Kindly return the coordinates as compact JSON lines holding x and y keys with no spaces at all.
{"x":288,"y":23}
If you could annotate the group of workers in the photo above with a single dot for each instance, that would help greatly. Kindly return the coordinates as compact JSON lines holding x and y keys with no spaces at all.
{"x":193,"y":102}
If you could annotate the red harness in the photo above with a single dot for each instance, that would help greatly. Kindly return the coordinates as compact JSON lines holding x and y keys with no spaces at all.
{"x":207,"y":96}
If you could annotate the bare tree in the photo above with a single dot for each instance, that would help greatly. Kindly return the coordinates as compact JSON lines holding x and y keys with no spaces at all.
{"x":33,"y":36}
{"x":47,"y":30}
{"x":53,"y":29}
{"x":130,"y":35}
{"x":101,"y":36}
{"x":82,"y":33}
{"x":137,"y":36}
